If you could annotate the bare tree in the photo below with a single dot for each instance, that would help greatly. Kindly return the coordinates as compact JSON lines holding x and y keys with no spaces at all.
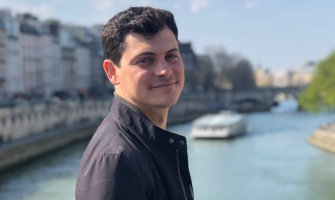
{"x":233,"y":70}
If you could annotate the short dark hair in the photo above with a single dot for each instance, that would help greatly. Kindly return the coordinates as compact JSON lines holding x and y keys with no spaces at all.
{"x":142,"y":20}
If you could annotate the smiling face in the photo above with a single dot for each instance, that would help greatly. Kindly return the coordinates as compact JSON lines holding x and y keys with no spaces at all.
{"x":151,"y":71}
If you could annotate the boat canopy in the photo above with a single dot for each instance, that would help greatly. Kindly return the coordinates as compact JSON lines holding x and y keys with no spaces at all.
{"x":222,"y":119}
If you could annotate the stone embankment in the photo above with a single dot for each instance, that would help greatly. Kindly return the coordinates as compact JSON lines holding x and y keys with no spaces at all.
{"x":324,"y":137}
{"x":26,"y":120}
{"x":27,"y":131}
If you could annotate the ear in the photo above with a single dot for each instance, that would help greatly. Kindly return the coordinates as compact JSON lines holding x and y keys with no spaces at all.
{"x":110,"y":70}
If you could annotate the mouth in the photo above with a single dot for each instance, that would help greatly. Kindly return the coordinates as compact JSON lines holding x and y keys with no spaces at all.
{"x":163,"y":85}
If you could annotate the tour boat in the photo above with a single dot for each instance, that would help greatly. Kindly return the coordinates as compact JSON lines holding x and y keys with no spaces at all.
{"x":225,"y":124}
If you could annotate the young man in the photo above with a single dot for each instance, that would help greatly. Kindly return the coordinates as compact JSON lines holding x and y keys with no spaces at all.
{"x":131,"y":156}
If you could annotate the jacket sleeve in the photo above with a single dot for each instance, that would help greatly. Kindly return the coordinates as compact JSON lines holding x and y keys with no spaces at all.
{"x":110,"y":177}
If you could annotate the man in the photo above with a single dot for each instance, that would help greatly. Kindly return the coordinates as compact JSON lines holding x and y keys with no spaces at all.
{"x":131,"y":156}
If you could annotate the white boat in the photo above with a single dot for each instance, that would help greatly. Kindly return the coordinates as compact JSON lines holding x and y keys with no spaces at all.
{"x":225,"y":124}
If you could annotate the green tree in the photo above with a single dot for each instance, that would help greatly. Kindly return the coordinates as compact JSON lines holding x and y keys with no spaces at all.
{"x":320,"y":94}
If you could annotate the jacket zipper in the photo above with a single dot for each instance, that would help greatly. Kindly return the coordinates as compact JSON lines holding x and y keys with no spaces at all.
{"x":181,"y":180}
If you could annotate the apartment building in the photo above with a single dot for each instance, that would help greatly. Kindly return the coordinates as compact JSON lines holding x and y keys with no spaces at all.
{"x":263,"y":77}
{"x":42,"y":58}
{"x":299,"y":76}
{"x":12,"y":70}
{"x":36,"y":56}
{"x":3,"y":39}
{"x":303,"y":75}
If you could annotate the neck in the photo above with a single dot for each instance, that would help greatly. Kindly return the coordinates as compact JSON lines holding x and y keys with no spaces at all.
{"x":157,"y":117}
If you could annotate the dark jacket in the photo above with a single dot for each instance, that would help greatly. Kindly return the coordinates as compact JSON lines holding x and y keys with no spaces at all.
{"x":129,"y":158}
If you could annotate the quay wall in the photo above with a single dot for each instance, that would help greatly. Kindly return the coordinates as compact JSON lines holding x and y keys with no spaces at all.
{"x":17,"y":152}
{"x":324,"y":137}
{"x":28,"y":131}
{"x":26,"y":120}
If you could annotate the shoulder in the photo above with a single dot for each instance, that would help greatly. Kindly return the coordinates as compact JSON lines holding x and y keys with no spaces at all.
{"x":112,"y":145}
{"x":111,"y":176}
{"x":108,"y":165}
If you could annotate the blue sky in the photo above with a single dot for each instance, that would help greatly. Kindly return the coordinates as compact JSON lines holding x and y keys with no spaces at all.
{"x":279,"y":34}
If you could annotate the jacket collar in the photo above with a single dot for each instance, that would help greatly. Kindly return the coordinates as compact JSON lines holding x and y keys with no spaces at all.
{"x":131,"y":118}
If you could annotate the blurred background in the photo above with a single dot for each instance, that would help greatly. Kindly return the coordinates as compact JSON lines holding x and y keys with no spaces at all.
{"x":271,"y":63}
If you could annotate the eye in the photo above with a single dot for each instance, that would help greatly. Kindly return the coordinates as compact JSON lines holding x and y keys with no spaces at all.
{"x":144,"y":61}
{"x":171,"y":57}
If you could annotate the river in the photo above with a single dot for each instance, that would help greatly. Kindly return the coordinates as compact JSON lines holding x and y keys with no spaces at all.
{"x":272,"y":161}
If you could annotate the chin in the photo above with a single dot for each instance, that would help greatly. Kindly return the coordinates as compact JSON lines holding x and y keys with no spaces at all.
{"x":168,"y":102}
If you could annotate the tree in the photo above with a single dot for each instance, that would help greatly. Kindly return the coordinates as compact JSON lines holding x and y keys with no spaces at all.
{"x":320,"y":93}
{"x":205,"y":72}
{"x":233,"y":70}
{"x":241,"y":75}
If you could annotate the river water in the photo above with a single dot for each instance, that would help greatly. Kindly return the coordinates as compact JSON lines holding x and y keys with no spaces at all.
{"x":273,"y":161}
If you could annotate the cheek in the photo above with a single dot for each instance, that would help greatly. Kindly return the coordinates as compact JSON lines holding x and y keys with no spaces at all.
{"x":181,"y":67}
{"x":180,"y":71}
{"x":141,"y":80}
{"x":182,"y":76}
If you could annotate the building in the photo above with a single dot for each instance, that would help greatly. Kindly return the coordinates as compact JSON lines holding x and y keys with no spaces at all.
{"x":263,"y":78}
{"x":83,"y":67}
{"x":35,"y":55}
{"x":41,"y":58}
{"x":98,"y":77}
{"x":12,"y":72}
{"x":3,"y":53}
{"x":303,"y":75}
{"x":56,"y":68}
{"x":190,"y":65}
{"x":299,"y":76}
{"x":188,"y":55}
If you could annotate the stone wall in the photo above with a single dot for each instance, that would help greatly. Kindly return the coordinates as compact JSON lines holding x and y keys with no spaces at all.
{"x":17,"y":152}
{"x":26,"y":120}
{"x":28,"y":131}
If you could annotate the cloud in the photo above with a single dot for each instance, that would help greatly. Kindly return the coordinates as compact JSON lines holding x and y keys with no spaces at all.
{"x":249,"y":5}
{"x":198,"y":5}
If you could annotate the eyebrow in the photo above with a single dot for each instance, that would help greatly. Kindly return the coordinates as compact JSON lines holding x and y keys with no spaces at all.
{"x":149,"y":53}
{"x":172,"y":50}
{"x":146,"y":53}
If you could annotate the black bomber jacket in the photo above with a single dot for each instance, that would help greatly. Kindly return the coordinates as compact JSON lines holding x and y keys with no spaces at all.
{"x":129,"y":158}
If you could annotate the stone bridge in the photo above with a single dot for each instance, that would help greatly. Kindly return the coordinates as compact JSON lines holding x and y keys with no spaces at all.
{"x":263,"y":94}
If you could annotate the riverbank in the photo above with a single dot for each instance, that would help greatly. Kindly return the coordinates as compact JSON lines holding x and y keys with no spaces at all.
{"x":324,"y":137}
{"x":251,"y":167}
{"x":27,"y":131}
{"x":22,"y":150}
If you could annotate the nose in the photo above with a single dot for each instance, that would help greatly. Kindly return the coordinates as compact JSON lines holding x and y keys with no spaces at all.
{"x":162,"y":68}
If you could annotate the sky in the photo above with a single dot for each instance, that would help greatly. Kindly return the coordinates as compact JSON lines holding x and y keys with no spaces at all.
{"x":272,"y":34}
